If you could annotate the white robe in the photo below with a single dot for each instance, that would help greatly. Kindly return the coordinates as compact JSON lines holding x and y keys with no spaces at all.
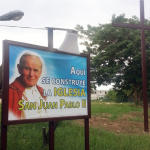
{"x":32,"y":94}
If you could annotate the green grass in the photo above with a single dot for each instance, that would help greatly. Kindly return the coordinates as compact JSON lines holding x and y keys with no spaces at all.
{"x":115,"y":109}
{"x":25,"y":137}
{"x":136,"y":119}
{"x":70,"y":136}
{"x":73,"y":136}
{"x":110,"y":141}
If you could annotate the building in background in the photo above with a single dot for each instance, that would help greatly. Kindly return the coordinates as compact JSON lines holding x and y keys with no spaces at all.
{"x":98,"y":94}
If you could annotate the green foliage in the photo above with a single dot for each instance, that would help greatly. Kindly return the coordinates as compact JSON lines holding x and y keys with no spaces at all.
{"x":121,"y":96}
{"x":111,"y":95}
{"x":116,"y":54}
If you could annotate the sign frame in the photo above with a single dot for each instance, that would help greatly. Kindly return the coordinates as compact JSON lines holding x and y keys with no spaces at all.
{"x":5,"y":85}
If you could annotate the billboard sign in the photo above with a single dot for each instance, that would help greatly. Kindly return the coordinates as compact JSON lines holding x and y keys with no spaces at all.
{"x":44,"y":85}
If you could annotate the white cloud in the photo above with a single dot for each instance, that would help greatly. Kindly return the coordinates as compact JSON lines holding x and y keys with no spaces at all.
{"x":62,"y":14}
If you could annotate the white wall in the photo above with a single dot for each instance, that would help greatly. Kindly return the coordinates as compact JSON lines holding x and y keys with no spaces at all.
{"x":98,"y":93}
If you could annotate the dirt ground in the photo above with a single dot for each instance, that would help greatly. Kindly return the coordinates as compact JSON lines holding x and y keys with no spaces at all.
{"x":120,"y":125}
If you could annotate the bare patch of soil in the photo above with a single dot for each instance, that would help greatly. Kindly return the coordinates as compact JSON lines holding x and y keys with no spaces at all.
{"x":121,"y":125}
{"x":133,"y":115}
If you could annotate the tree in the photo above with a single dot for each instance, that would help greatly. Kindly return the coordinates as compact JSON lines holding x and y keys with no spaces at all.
{"x":116,"y":54}
{"x":111,"y":95}
{"x":121,"y":96}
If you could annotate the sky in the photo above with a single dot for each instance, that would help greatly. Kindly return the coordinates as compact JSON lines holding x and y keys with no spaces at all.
{"x":62,"y":14}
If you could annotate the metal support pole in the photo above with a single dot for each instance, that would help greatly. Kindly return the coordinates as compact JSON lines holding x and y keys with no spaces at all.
{"x":51,"y":124}
{"x":50,"y":39}
{"x":3,"y":131}
{"x":3,"y":127}
{"x":3,"y":137}
{"x":86,"y":132}
{"x":51,"y":135}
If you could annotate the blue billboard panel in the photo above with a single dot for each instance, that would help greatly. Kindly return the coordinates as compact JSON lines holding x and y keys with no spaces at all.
{"x":45,"y":84}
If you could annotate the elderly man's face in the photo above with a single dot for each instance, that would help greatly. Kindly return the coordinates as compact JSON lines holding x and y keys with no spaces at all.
{"x":30,"y":70}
